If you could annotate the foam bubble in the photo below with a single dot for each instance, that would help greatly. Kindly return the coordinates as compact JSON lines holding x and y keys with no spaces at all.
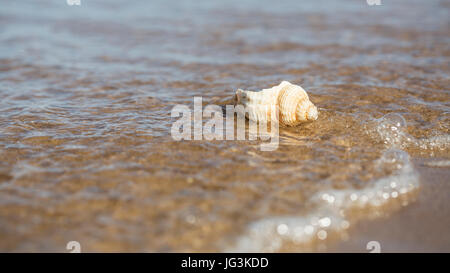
{"x":331,"y":217}
{"x":439,"y":142}
{"x":391,"y":130}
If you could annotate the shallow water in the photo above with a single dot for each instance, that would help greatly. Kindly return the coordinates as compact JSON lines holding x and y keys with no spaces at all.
{"x":86,"y":94}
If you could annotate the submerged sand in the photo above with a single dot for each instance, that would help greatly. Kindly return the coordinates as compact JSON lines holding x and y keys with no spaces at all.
{"x":87,"y":155}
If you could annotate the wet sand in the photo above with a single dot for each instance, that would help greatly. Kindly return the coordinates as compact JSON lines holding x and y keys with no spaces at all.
{"x":87,"y":155}
{"x":412,"y":229}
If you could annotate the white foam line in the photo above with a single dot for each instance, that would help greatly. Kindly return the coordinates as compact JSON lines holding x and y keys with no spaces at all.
{"x":442,"y":163}
{"x":269,"y":234}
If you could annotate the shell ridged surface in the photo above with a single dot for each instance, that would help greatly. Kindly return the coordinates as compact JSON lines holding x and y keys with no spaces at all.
{"x":290,"y":100}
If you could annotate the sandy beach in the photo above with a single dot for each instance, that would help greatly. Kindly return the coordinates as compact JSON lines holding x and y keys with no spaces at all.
{"x":88,"y":154}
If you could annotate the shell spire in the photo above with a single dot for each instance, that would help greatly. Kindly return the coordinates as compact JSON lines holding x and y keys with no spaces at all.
{"x":292,"y":102}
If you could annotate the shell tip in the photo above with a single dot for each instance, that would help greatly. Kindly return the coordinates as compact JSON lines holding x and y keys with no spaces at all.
{"x":238,"y":96}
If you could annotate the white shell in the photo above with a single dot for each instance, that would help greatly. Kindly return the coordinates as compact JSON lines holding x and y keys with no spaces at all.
{"x":291,"y":101}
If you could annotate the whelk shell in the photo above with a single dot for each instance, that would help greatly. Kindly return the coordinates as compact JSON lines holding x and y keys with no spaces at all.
{"x":291,"y":101}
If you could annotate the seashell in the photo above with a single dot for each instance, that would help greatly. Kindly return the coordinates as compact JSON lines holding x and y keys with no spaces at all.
{"x":291,"y":101}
